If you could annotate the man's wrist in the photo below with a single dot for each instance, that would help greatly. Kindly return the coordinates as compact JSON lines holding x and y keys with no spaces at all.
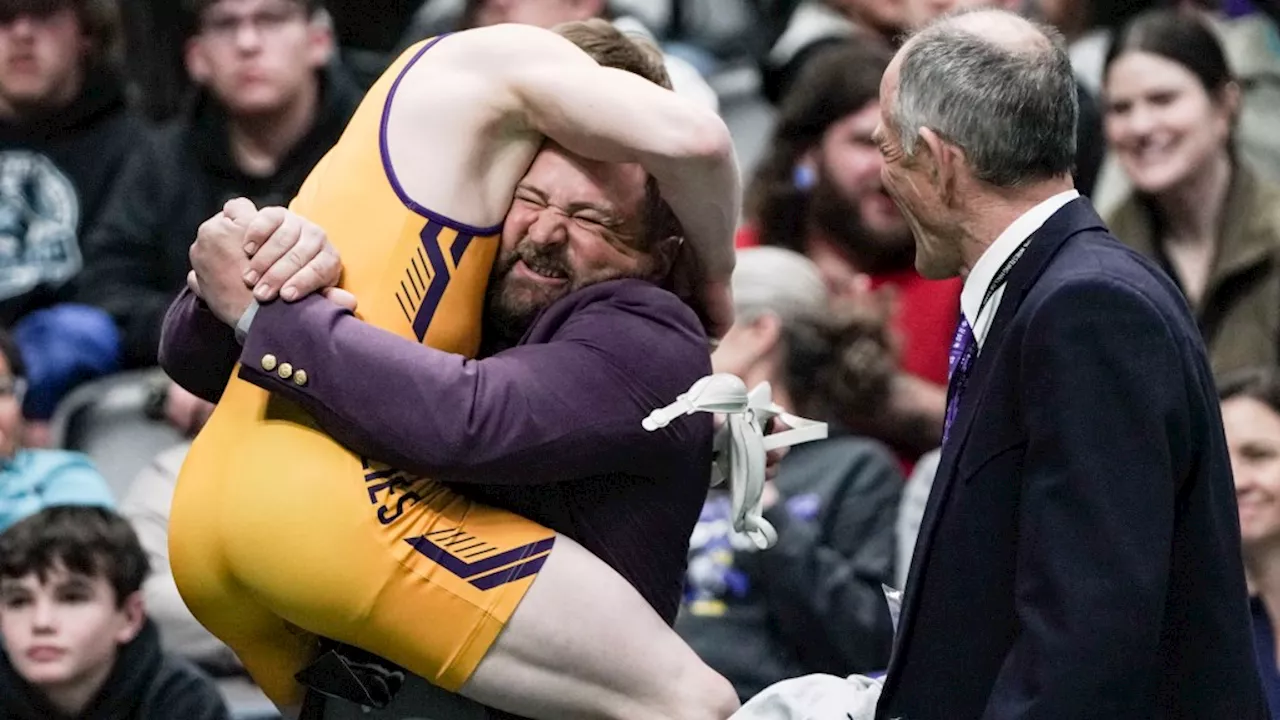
{"x":245,"y":321}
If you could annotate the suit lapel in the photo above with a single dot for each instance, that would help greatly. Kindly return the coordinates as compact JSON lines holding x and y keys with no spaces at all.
{"x":1072,"y":218}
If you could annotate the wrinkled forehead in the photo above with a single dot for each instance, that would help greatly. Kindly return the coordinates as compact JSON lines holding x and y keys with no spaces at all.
{"x":570,"y":179}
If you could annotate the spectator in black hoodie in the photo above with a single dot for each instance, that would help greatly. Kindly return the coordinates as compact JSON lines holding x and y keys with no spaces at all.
{"x":270,"y":105}
{"x":77,"y":642}
{"x":65,"y":134}
{"x":813,"y":603}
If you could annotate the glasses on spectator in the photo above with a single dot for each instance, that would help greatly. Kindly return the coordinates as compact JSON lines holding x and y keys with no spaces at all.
{"x":12,"y":387}
{"x":273,"y":19}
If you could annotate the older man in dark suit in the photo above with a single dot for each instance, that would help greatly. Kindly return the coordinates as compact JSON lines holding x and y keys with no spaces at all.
{"x":1079,"y":556}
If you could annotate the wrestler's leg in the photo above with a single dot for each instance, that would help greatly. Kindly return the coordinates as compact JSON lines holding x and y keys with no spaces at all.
{"x":583,"y":643}
{"x":271,"y":650}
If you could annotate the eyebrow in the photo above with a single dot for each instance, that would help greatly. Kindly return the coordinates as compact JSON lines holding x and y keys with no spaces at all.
{"x":76,"y":582}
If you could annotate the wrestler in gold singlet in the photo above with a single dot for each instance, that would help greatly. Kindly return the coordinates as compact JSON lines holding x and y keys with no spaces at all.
{"x":279,"y":534}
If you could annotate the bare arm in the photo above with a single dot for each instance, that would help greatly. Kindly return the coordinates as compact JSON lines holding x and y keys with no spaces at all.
{"x":509,"y":87}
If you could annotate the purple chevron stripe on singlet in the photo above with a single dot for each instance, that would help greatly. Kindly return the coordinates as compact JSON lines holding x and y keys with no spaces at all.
{"x":426,"y":284}
{"x":511,"y":574}
{"x":477,"y":572}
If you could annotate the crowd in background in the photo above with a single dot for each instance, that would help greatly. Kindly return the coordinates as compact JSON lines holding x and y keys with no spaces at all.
{"x":124,"y":125}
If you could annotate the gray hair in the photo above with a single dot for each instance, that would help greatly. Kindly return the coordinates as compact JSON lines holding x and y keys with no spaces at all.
{"x":1012,"y":109}
{"x":774,"y":280}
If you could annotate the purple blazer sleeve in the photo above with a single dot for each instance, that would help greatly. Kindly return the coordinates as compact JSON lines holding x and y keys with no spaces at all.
{"x":567,"y":403}
{"x":197,"y":350}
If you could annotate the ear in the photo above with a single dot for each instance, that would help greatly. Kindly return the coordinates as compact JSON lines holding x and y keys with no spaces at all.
{"x":1229,"y":98}
{"x":134,"y":609}
{"x":320,"y":44}
{"x":197,"y":64}
{"x":805,"y":174}
{"x":87,"y":46}
{"x":664,"y":256}
{"x":941,"y":162}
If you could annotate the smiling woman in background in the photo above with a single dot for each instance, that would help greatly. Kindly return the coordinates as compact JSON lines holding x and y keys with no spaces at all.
{"x":1196,"y":209}
{"x":1251,"y":419}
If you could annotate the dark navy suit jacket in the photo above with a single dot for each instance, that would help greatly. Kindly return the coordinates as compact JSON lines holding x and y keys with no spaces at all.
{"x":1079,"y":556}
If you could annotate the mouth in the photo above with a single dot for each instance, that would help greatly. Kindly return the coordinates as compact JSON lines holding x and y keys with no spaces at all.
{"x":45,"y":653}
{"x":541,"y":273}
{"x":24,"y":63}
{"x":1151,"y":152}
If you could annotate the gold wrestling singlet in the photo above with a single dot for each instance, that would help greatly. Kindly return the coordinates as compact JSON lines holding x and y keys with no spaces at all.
{"x":279,"y":534}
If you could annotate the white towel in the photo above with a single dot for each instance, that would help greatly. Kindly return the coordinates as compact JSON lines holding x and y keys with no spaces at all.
{"x":815,"y":697}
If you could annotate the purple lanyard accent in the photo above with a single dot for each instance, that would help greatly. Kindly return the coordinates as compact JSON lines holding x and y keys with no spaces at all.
{"x":964,"y":347}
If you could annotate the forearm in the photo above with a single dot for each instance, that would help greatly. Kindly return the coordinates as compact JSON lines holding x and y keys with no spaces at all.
{"x":197,"y":350}
{"x":514,"y":418}
{"x":617,"y":116}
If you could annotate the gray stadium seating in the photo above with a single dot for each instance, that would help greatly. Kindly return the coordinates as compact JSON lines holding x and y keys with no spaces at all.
{"x":107,"y":420}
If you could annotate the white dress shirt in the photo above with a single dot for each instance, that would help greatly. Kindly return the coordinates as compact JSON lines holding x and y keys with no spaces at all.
{"x":984,"y":271}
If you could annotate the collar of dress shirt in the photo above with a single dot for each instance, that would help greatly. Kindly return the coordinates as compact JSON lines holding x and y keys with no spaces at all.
{"x":984,"y":271}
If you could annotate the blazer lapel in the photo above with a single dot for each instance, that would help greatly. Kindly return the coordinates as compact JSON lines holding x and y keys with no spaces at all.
{"x":1074,"y":217}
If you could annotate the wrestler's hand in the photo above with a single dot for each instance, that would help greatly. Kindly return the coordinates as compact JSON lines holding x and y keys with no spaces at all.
{"x":290,"y":256}
{"x":218,"y":266}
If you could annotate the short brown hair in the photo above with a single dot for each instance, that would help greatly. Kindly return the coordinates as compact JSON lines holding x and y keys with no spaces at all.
{"x":99,"y":22}
{"x":612,"y":48}
{"x":90,"y":541}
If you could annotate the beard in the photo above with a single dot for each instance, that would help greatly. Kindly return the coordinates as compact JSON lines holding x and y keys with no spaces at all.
{"x":513,"y":303}
{"x":839,"y":220}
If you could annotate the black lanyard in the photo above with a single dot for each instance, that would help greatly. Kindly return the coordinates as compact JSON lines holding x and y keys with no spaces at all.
{"x":1002,"y":275}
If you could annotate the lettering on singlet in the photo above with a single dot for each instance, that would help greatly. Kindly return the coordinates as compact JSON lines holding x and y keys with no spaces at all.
{"x":427,"y":274}
{"x":481,"y":563}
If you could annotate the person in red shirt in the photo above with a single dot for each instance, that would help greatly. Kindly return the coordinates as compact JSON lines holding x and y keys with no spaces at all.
{"x":818,"y":191}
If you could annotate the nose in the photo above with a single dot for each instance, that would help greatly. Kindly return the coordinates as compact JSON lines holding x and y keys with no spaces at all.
{"x":1244,"y":477}
{"x":550,"y":227}
{"x":868,"y":170}
{"x":248,"y":37}
{"x":43,"y":617}
{"x":22,"y":26}
{"x":1142,"y":120}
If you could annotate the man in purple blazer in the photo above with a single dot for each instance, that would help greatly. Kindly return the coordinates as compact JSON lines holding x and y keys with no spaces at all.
{"x":566,"y":378}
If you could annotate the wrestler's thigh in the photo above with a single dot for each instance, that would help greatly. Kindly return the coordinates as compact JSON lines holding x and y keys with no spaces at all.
{"x":271,"y":650}
{"x":296,"y":530}
{"x":584,"y":644}
{"x":398,"y":565}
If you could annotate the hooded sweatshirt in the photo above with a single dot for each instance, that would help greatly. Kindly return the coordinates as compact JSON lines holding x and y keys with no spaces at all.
{"x":144,"y":684}
{"x":56,"y":170}
{"x":136,"y":259}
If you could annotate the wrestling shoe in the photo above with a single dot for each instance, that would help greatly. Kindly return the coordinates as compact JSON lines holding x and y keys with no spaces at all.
{"x":348,"y":673}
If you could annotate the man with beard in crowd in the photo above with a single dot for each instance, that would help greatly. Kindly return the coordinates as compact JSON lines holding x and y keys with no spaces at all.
{"x":818,"y":191}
